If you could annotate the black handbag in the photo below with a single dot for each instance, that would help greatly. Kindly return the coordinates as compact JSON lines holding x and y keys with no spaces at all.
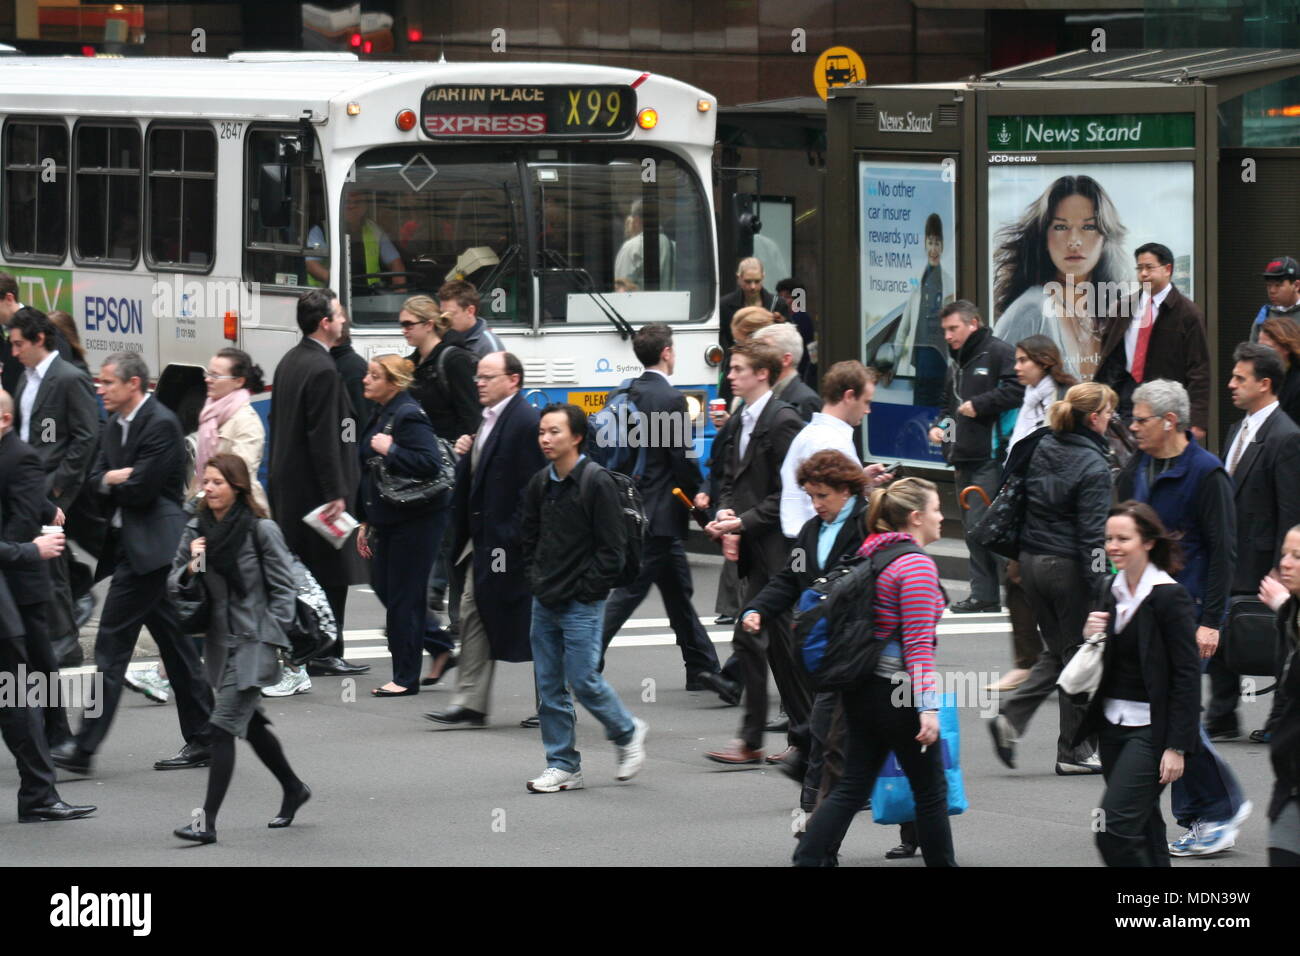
{"x":1248,"y":644}
{"x":999,"y":528}
{"x":403,"y":491}
{"x":195,"y":615}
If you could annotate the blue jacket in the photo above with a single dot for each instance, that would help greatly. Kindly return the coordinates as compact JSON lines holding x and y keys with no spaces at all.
{"x":414,"y":453}
{"x":1178,"y":497}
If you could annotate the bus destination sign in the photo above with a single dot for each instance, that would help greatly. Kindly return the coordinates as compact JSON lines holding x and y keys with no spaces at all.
{"x":458,"y":112}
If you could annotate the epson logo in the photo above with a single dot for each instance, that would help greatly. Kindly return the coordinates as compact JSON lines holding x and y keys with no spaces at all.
{"x":904,"y":122}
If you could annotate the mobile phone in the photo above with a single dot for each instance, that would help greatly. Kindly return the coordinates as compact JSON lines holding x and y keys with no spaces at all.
{"x":896,"y":469}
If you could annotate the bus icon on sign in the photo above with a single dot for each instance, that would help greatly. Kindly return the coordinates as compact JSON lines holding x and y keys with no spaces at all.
{"x":840,"y":70}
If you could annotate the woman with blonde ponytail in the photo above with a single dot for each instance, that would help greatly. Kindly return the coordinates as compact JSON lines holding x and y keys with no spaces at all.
{"x":902,"y":518}
{"x":1062,"y":564}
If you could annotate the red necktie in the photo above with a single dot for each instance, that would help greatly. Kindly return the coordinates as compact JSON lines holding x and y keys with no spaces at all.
{"x":1144,"y":339}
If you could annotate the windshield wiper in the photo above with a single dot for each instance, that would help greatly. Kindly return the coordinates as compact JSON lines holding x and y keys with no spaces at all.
{"x":589,"y":287}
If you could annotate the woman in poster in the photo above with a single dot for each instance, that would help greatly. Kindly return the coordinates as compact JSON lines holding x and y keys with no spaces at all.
{"x":1050,"y":266}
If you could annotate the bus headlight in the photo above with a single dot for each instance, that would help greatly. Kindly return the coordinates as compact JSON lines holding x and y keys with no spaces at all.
{"x":713,"y":356}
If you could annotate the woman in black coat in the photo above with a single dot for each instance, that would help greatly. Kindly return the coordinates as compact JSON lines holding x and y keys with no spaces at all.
{"x":401,"y":542}
{"x":1146,"y":712}
{"x":1284,"y":718}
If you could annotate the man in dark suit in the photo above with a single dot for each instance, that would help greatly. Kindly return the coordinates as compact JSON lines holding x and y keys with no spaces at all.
{"x":1262,"y":454}
{"x":750,"y":506}
{"x":789,"y":387}
{"x":749,"y":291}
{"x":314,"y":462}
{"x":495,"y":466}
{"x":1162,"y":337}
{"x":141,"y":471}
{"x":10,"y":305}
{"x":21,"y":725}
{"x":668,"y":464}
{"x":56,"y":414}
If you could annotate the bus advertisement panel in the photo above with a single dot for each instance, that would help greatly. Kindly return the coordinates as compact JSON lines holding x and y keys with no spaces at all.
{"x":907,"y":230}
{"x":1065,"y":233}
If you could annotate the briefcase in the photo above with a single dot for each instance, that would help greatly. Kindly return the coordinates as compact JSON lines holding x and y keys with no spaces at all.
{"x":1248,"y":644}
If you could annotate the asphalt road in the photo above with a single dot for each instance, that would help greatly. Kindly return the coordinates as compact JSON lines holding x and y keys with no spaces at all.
{"x":391,"y":788}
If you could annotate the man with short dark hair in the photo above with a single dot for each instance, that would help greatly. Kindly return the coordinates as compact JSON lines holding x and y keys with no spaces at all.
{"x":9,"y":307}
{"x":1282,"y":282}
{"x":313,"y":460}
{"x":795,"y":295}
{"x":669,"y":464}
{"x":1163,"y":337}
{"x":981,"y":393}
{"x":141,"y":471}
{"x":1262,"y":454}
{"x":750,"y":508}
{"x":574,"y":538}
{"x":460,"y":300}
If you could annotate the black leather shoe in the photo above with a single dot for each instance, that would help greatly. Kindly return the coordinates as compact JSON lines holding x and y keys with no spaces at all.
{"x":792,"y":763}
{"x":698,"y":681}
{"x":432,"y":681}
{"x":729,"y":690}
{"x":196,"y":836}
{"x":54,"y":811}
{"x":295,"y":804}
{"x":531,"y":723}
{"x":191,"y":755}
{"x":778,"y":726}
{"x":68,"y":756}
{"x":404,"y":692}
{"x":901,"y":852}
{"x":455,"y":714}
{"x":335,"y":667}
{"x":1228,"y":729}
{"x":972,"y":606}
{"x":724,"y":620}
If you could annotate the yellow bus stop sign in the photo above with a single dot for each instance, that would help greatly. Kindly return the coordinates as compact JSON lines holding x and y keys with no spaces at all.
{"x":838,"y":66}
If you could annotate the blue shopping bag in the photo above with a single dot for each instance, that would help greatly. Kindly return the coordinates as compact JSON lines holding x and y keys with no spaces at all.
{"x":891,"y":800}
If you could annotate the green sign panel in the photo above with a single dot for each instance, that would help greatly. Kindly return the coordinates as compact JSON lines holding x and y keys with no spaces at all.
{"x":1034,"y":134}
{"x":44,"y":289}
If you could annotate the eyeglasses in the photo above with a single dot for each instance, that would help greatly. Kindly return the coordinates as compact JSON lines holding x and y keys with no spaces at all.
{"x":1143,"y":419}
{"x":410,"y":325}
{"x":488,"y":378}
{"x":208,"y":376}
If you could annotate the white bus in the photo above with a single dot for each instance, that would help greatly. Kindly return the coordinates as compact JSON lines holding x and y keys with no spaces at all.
{"x":177,"y":206}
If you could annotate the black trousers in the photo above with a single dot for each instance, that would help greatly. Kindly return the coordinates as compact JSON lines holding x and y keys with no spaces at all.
{"x":403,"y":558}
{"x":134,"y":601}
{"x":1132,"y":830}
{"x":21,"y":727}
{"x":875,"y":727}
{"x":41,"y":657}
{"x":1225,"y":694}
{"x":337,"y":596}
{"x":664,"y":565}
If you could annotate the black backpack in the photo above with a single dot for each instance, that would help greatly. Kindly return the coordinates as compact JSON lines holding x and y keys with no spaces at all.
{"x":634,"y":519}
{"x":835,"y":619}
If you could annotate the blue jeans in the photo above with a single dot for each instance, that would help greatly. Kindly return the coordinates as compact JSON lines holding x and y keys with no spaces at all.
{"x":566,"y":650}
{"x":1207,"y":790}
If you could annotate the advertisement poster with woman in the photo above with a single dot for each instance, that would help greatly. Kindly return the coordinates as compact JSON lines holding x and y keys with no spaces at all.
{"x":1061,"y":240}
{"x":909,"y":253}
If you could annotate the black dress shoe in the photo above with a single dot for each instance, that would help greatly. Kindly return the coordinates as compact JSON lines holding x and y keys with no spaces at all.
{"x":191,"y":755}
{"x":1228,"y":729}
{"x":531,"y":723}
{"x":295,"y":804}
{"x":729,"y":690}
{"x":452,"y":661}
{"x":68,"y":756}
{"x":698,"y":681}
{"x":778,"y":726}
{"x":972,"y":606}
{"x":335,"y":667}
{"x":455,"y":714}
{"x":723,"y":620}
{"x":404,"y":692}
{"x":901,"y":852}
{"x":54,"y":811}
{"x":194,"y":835}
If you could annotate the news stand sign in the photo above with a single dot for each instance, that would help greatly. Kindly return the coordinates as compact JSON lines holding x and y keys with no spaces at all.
{"x":1059,"y":227}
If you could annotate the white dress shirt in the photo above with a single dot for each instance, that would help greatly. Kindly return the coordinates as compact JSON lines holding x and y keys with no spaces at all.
{"x":1251,"y":426}
{"x":1135,"y":323}
{"x":116,"y":522}
{"x":824,"y":432}
{"x":748,"y":419}
{"x":34,"y":377}
{"x":489,"y":419}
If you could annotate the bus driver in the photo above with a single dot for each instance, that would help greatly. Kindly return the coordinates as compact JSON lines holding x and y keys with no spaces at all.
{"x":376,"y":253}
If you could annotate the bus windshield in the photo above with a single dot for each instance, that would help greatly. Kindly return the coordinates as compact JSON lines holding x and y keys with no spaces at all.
{"x":556,"y":235}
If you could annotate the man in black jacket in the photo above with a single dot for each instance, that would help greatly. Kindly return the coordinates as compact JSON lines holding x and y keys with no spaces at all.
{"x":750,"y":507}
{"x":574,"y":542}
{"x":749,"y":291}
{"x":1262,"y":454}
{"x":9,"y":307}
{"x":669,"y":463}
{"x":141,"y":470}
{"x":980,"y":389}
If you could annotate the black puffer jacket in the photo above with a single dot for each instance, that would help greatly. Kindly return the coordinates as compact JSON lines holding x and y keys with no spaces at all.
{"x":1068,"y":495}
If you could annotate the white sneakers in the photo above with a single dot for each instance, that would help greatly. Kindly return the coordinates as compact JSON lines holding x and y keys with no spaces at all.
{"x":631,"y":757}
{"x":150,"y":683}
{"x":293,"y":680}
{"x":553,"y":779}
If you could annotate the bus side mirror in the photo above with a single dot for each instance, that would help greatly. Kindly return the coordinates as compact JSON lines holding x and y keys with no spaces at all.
{"x":275,"y":195}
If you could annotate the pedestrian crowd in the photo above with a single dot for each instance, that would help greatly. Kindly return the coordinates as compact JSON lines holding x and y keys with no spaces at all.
{"x":493,"y":531}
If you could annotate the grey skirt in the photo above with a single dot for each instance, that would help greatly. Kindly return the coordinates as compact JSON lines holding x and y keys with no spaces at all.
{"x":234,"y":706}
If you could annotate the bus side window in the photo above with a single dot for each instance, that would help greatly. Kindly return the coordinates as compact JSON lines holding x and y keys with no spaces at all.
{"x":182,"y":197}
{"x":287,"y":243}
{"x":106,"y":204}
{"x":36,"y":189}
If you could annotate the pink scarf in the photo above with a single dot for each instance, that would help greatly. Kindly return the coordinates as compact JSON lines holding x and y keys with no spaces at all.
{"x":215,"y":414}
